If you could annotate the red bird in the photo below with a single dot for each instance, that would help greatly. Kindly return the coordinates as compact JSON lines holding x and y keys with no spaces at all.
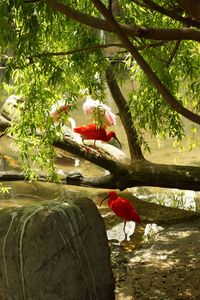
{"x":92,"y":132}
{"x":123,"y":208}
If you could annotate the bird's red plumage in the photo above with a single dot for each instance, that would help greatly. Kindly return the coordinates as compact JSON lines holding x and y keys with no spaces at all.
{"x":123,"y":208}
{"x":92,"y":132}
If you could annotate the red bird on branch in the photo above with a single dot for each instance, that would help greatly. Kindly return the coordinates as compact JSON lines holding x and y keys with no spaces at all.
{"x":92,"y":132}
{"x":123,"y":208}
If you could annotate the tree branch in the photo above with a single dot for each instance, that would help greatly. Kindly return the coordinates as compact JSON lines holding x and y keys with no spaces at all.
{"x":132,"y":31}
{"x":125,"y":172}
{"x":169,"y":98}
{"x":125,"y":115}
{"x":104,"y":155}
{"x":145,"y":173}
{"x":92,"y":48}
{"x":192,"y":7}
{"x":131,"y":174}
{"x":173,"y":53}
{"x":149,"y":4}
{"x":105,"y":182}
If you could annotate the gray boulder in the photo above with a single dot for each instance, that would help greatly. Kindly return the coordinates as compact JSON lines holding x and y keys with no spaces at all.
{"x":55,"y":251}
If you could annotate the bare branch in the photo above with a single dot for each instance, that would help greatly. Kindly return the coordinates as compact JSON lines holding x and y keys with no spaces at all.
{"x":131,"y":173}
{"x":106,"y":182}
{"x":132,"y":31}
{"x":92,"y":48}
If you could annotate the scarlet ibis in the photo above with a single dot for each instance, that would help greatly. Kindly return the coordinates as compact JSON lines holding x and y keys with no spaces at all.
{"x":123,"y":208}
{"x":98,"y":110}
{"x":92,"y":132}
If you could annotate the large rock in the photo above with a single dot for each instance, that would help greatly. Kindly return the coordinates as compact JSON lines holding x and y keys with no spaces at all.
{"x":54,"y":251}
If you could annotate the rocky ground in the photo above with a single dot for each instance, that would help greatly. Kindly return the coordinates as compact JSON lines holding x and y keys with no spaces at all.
{"x":167,"y":268}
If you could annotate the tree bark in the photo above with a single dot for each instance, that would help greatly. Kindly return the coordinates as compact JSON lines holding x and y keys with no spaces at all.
{"x":124,"y":172}
{"x":125,"y":116}
{"x":192,"y":7}
{"x":131,"y":30}
{"x":144,"y":173}
{"x":172,"y":14}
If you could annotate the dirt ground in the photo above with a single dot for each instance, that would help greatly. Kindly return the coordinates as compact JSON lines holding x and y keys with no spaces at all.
{"x":167,"y":268}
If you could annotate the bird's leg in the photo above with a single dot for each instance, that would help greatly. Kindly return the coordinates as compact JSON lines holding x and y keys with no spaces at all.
{"x":125,"y":230}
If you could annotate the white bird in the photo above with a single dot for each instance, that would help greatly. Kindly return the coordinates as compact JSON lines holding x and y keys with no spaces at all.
{"x":97,"y":109}
{"x":60,"y":109}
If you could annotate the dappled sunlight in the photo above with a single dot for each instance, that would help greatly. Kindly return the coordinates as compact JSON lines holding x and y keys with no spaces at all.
{"x":167,"y":268}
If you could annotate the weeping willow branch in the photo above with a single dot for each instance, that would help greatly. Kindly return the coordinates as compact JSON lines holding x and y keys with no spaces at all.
{"x":169,"y":98}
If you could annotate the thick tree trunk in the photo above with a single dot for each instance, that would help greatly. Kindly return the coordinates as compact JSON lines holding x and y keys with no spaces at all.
{"x":55,"y":251}
{"x":144,"y":173}
{"x":124,"y":172}
{"x":132,"y":174}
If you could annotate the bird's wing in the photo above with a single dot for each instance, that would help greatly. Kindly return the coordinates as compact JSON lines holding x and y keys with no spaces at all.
{"x":124,"y":209}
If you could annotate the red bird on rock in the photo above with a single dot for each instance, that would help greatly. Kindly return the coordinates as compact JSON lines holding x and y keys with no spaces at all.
{"x":123,"y":208}
{"x":93,"y":132}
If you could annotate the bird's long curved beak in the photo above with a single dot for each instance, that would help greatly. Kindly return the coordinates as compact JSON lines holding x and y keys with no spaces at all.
{"x":103,"y":200}
{"x":118,"y":142}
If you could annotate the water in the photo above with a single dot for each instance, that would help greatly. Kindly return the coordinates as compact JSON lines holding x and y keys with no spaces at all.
{"x":163,"y":151}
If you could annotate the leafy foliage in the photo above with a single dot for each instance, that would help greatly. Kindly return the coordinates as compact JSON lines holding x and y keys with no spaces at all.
{"x":180,"y":75}
{"x":42,"y":78}
{"x":49,"y":58}
{"x":4,"y":189}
